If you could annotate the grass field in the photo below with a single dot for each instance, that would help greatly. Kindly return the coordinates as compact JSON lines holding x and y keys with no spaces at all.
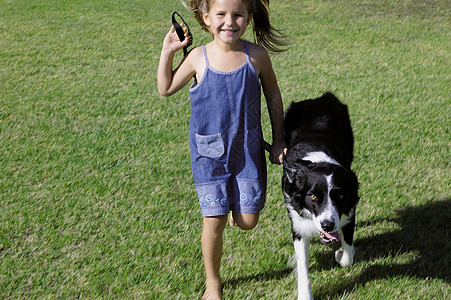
{"x":96,"y":192}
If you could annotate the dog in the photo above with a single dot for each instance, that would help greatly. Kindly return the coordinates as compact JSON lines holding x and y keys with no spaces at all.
{"x":319,"y":187}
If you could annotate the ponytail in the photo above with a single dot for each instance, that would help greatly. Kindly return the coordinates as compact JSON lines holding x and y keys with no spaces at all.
{"x":265,"y":35}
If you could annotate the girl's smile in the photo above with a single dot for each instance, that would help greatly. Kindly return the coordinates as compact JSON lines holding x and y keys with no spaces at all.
{"x":227,"y":20}
{"x":229,"y":31}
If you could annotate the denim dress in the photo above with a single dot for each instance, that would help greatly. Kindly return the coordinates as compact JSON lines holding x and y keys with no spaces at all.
{"x":226,"y":141}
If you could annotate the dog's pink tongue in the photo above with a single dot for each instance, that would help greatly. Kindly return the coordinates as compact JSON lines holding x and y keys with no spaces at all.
{"x":333,"y":236}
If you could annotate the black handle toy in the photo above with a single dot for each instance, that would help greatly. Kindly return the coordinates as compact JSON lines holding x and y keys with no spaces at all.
{"x":267,"y":146}
{"x":180,"y":33}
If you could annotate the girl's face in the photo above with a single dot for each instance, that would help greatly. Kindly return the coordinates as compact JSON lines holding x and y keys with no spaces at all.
{"x":227,"y":20}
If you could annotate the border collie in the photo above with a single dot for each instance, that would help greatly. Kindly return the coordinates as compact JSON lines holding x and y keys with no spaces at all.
{"x":320,"y":189}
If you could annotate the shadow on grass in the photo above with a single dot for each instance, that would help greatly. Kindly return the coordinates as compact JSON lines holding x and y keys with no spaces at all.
{"x":424,"y":233}
{"x":264,"y":276}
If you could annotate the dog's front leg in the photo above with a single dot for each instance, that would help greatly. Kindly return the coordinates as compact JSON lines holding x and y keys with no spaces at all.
{"x":345,"y":255}
{"x":301,"y":247}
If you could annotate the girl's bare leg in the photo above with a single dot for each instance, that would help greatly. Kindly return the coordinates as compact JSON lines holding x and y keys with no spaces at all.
{"x":212,"y":248}
{"x":212,"y":252}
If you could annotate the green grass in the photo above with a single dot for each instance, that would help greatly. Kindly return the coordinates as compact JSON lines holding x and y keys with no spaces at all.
{"x":96,"y":192}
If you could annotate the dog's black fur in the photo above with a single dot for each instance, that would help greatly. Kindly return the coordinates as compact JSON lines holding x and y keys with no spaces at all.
{"x":320,"y":189}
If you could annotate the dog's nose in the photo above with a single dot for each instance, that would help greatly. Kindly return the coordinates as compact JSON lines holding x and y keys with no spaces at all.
{"x":327,"y":225}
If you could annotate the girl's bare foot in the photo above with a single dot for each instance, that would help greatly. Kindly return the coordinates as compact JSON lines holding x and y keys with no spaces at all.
{"x":212,"y":292}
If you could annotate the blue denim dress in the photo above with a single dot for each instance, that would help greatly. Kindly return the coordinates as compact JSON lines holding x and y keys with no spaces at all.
{"x":227,"y":156}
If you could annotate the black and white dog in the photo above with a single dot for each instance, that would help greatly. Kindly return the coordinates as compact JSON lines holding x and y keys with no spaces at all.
{"x":320,"y":189}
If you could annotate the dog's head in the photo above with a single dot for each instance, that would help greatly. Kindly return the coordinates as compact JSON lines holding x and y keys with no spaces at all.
{"x":321,"y":191}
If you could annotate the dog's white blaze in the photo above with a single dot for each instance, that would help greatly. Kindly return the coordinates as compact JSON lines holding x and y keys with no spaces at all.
{"x":320,"y":156}
{"x":330,"y":212}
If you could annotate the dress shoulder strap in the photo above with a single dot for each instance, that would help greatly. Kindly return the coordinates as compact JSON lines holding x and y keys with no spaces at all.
{"x":205,"y":55}
{"x":248,"y":58}
{"x":246,"y":44}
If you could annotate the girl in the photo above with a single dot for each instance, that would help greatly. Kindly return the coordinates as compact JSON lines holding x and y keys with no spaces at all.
{"x":227,"y":155}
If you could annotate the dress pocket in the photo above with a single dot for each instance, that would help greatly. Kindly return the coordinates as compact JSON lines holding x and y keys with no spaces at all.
{"x":210,"y":145}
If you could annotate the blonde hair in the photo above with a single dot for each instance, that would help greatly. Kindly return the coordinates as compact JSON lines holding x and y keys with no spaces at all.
{"x":265,"y":34}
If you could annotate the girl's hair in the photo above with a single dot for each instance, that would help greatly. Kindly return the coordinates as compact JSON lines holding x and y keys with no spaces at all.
{"x":265,"y":34}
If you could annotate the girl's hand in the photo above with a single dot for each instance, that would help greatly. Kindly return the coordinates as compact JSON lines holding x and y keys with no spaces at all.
{"x":278,"y":150}
{"x":172,"y":43}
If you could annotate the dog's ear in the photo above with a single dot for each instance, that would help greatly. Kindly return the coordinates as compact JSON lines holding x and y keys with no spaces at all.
{"x":297,"y":169}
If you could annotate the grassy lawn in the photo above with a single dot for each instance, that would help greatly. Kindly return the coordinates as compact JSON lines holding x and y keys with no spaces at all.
{"x":96,"y":193}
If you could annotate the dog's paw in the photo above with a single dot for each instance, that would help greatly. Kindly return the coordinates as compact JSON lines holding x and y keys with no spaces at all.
{"x":345,"y":257}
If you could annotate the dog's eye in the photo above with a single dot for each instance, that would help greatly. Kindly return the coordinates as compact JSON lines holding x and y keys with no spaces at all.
{"x":313,"y":197}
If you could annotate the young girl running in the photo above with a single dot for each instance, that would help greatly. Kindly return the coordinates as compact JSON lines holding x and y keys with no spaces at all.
{"x":227,"y":155}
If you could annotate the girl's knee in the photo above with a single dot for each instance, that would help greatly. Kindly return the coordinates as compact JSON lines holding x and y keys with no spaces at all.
{"x":246,"y":221}
{"x":215,"y":224}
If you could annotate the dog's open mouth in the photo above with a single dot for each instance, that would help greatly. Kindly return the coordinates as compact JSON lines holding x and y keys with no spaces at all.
{"x":329,"y":238}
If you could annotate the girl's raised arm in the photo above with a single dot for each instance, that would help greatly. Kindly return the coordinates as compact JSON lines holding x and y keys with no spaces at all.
{"x":170,"y":81}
